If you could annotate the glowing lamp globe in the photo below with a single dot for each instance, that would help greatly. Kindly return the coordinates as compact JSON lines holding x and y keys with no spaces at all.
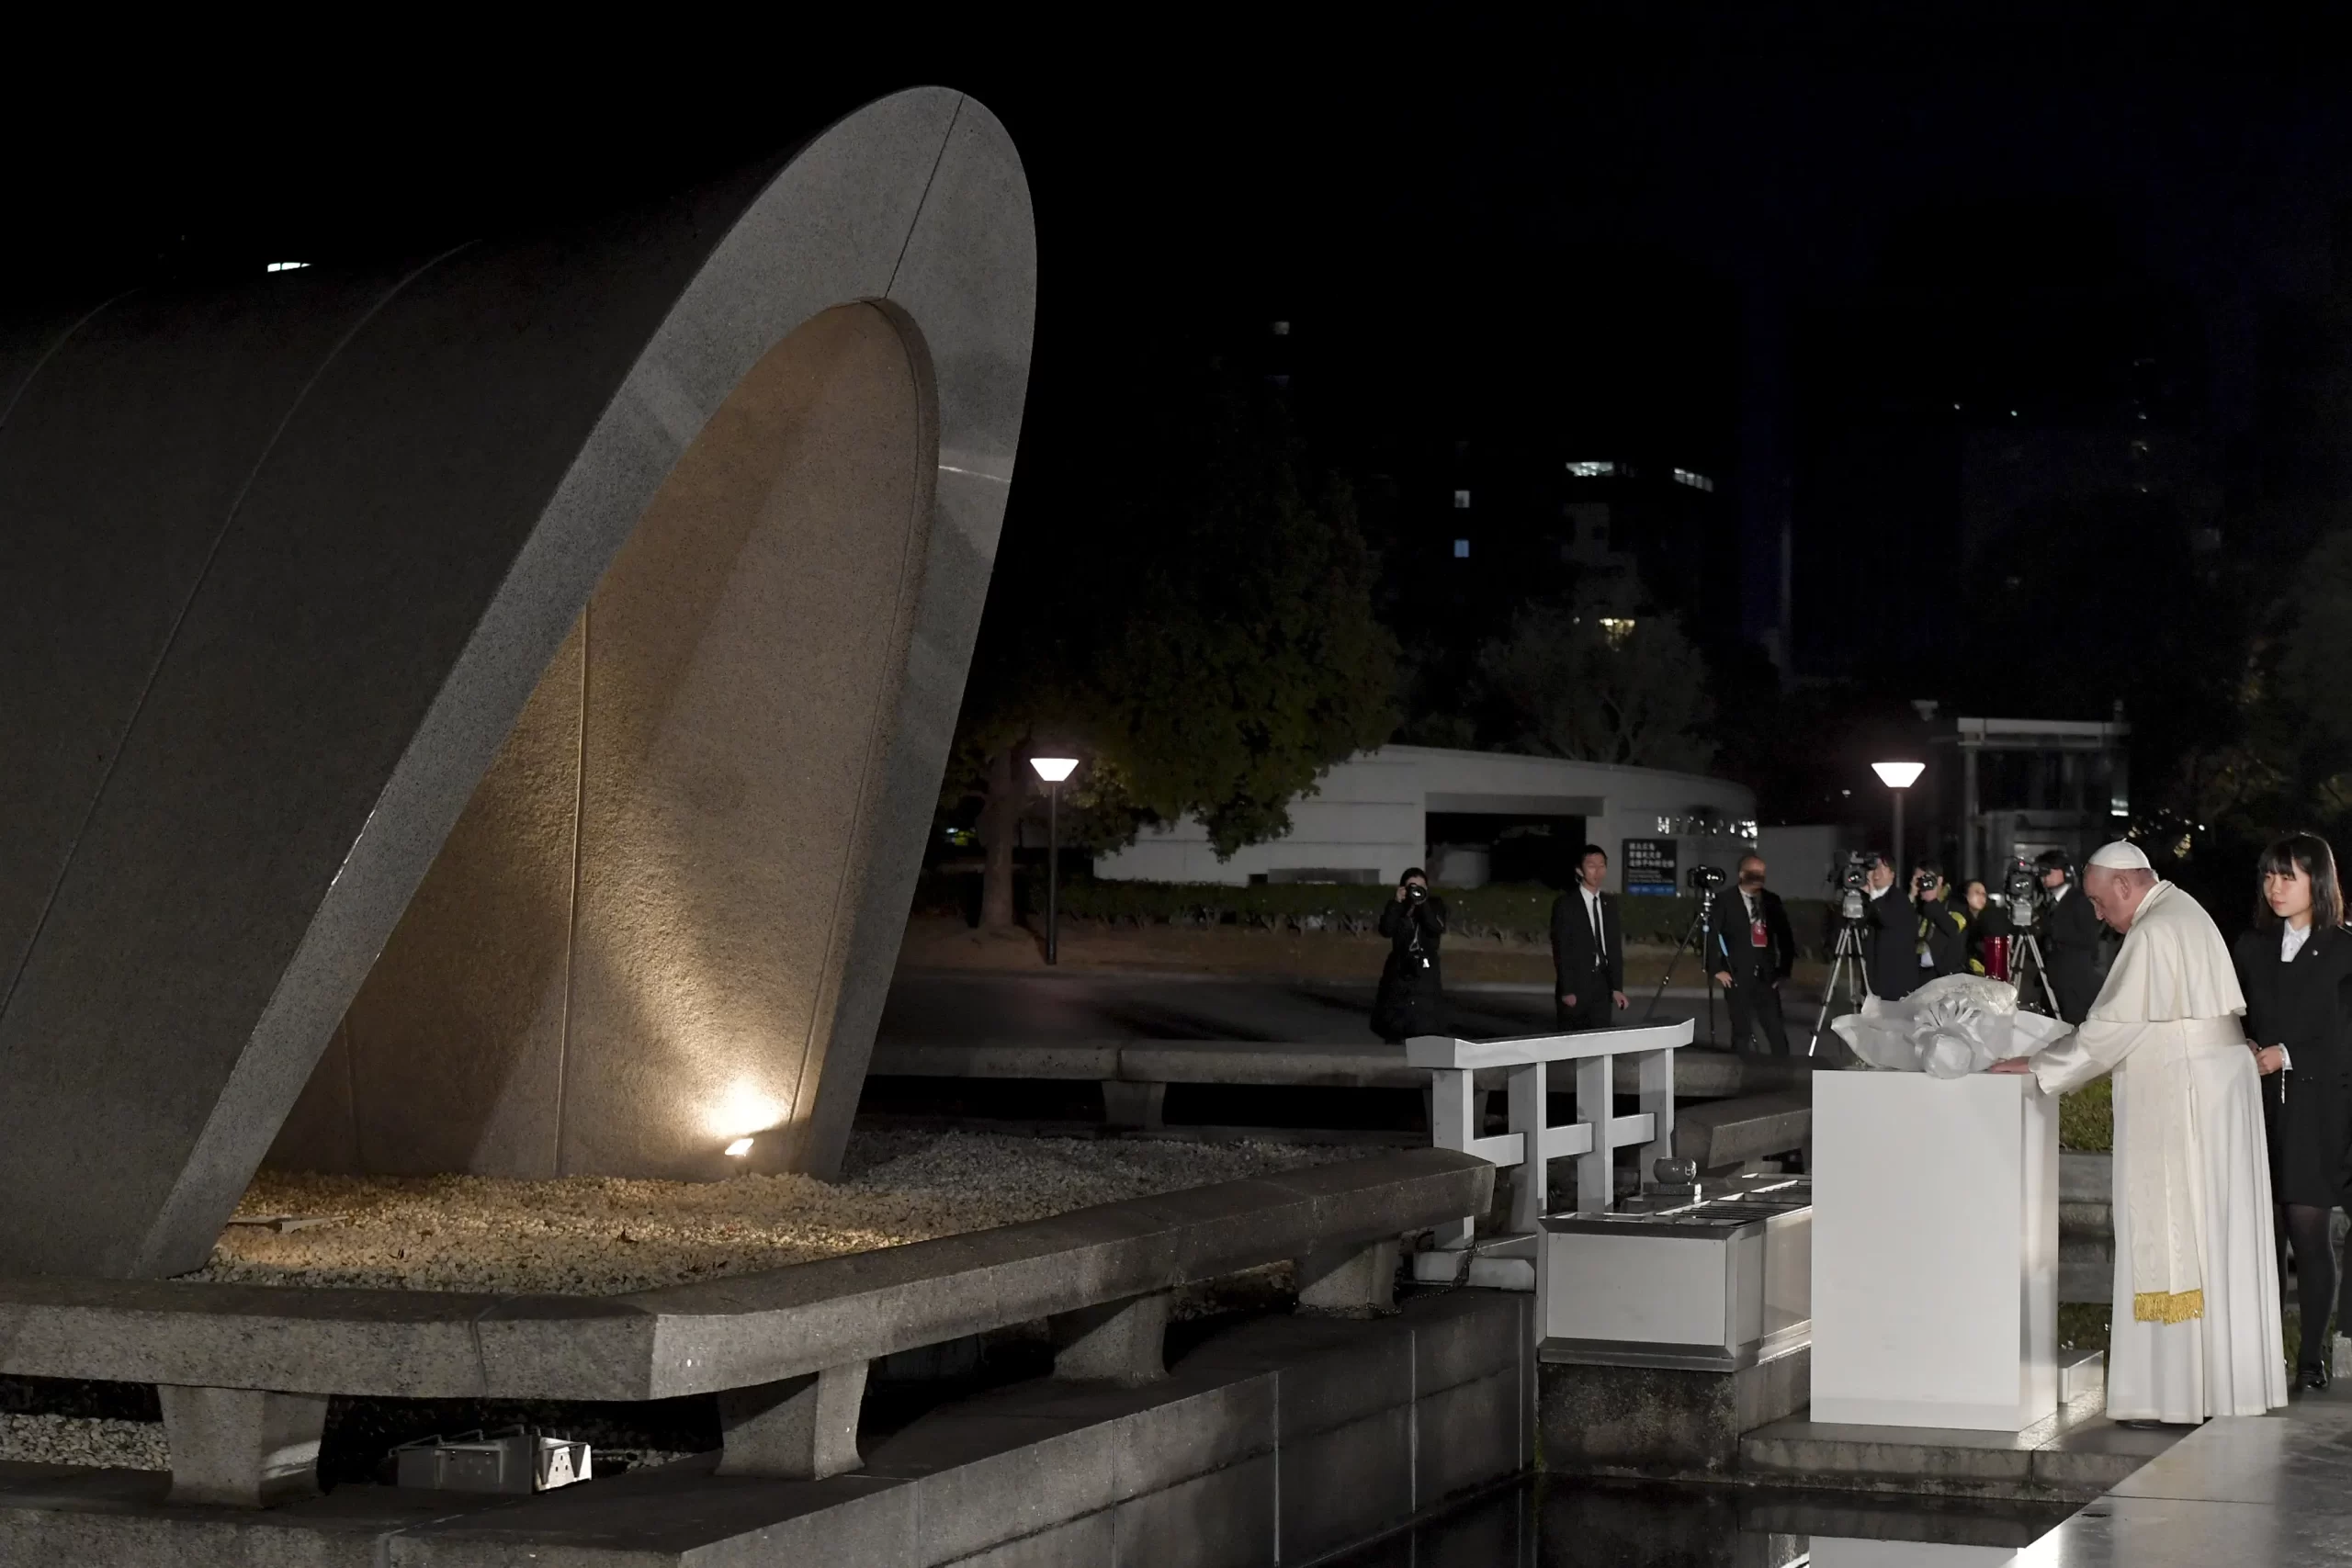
{"x":1053,"y":770}
{"x":1898,"y":775}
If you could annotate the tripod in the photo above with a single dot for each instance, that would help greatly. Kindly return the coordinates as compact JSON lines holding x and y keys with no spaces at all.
{"x":1694,"y":941}
{"x":1849,"y":962}
{"x":2025,"y":946}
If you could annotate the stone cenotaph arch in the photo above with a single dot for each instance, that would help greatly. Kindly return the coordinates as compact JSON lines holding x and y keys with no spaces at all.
{"x":481,"y":712}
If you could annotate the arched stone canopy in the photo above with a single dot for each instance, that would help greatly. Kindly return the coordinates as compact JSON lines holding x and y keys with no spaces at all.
{"x":710,"y":491}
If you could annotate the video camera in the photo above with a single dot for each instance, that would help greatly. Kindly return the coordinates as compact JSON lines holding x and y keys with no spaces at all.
{"x":2022,"y":891}
{"x":1853,"y":879}
{"x":1707,"y":879}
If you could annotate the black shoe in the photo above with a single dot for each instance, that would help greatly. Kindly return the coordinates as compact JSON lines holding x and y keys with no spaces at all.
{"x":2311,"y":1375}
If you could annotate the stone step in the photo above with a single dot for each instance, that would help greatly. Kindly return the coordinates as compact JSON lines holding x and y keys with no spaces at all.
{"x":2076,"y":1453}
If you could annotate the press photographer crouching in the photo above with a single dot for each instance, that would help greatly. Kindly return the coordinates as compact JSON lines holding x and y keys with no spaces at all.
{"x":1756,"y":949}
{"x":1411,"y":999}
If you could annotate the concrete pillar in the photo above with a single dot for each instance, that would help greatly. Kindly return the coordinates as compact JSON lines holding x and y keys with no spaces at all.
{"x":242,"y":1448}
{"x":1121,"y":1342}
{"x":1348,"y":1282}
{"x":1133,"y":1105}
{"x":802,"y":1428}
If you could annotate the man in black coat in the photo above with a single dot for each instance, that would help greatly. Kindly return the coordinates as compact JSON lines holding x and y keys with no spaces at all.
{"x":1892,"y":941}
{"x":1588,"y":950}
{"x":2074,"y":943}
{"x":1755,"y":950}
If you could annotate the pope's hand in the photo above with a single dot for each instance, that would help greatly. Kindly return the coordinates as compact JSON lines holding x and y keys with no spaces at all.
{"x":2012,"y":1064}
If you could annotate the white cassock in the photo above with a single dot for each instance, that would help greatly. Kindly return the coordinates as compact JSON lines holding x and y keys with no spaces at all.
{"x":2196,"y":1326}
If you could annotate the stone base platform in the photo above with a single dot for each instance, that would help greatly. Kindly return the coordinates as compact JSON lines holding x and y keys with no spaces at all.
{"x":2073,"y":1455}
{"x":1278,"y":1441}
{"x":1662,"y":1422}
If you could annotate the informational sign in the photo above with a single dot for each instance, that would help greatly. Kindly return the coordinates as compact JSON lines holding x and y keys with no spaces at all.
{"x":1649,"y":867}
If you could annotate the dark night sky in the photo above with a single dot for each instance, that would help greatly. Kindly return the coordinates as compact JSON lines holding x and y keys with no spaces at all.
{"x":1438,"y":197}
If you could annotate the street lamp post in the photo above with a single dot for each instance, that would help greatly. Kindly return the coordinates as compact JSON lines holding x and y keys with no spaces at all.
{"x":1899,"y":777}
{"x":1054,"y":769}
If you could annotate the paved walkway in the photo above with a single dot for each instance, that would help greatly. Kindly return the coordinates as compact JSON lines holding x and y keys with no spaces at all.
{"x":945,"y":1005}
{"x":2263,"y":1491}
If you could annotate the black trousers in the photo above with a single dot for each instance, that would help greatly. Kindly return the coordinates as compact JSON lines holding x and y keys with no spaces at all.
{"x":1594,"y":1009}
{"x":1755,"y":1005}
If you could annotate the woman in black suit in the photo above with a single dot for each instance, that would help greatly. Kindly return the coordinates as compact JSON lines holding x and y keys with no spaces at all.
{"x":2296,"y":969}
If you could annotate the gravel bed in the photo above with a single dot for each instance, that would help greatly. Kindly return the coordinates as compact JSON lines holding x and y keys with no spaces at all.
{"x":75,"y":1439}
{"x":597,"y":1235}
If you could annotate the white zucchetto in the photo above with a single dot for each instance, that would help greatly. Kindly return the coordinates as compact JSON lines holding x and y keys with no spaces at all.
{"x":2121,"y":855}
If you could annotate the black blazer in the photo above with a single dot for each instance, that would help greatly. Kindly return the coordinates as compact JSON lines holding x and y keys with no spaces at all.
{"x":1574,"y":961}
{"x":1893,"y":944}
{"x":2071,"y":946}
{"x":1734,"y":947}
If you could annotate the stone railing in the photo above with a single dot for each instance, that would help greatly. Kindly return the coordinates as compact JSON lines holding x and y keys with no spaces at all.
{"x":1591,"y":1140}
{"x":245,"y":1372}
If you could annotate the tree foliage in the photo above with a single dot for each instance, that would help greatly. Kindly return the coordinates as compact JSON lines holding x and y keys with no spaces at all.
{"x":1199,"y":629}
{"x":1569,"y":681}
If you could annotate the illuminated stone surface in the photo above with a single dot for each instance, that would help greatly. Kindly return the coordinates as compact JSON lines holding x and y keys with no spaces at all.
{"x":704,"y":495}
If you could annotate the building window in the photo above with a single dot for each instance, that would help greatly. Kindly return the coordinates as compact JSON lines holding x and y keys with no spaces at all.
{"x":1281,"y":328}
{"x":288,"y":266}
{"x":1460,"y":549}
{"x":1460,"y":500}
{"x":1695,"y":481}
{"x":1592,"y":470}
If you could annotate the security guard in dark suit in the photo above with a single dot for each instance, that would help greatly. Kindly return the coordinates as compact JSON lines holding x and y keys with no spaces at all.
{"x":1755,"y":950}
{"x":2074,"y":940}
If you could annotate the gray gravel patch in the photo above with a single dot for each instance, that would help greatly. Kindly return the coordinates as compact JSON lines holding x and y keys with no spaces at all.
{"x":75,"y":1439}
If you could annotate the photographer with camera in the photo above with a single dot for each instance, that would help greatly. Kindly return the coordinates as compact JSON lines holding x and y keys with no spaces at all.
{"x":1588,"y":949}
{"x":1411,"y":999}
{"x":1943,"y":931}
{"x":1756,"y":951}
{"x":2074,"y":943}
{"x":1891,"y":934}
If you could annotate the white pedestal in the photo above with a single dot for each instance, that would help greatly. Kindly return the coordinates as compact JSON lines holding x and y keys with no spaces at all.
{"x":1935,"y":1250}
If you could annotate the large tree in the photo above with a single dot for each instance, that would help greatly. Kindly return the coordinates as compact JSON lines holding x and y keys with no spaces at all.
{"x":1202,"y":634}
{"x":1580,"y":681}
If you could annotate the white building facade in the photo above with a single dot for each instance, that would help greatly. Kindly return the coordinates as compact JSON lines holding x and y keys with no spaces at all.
{"x":1468,"y":818}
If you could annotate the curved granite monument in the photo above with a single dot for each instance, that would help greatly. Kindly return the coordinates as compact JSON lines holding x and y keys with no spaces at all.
{"x":503,"y":691}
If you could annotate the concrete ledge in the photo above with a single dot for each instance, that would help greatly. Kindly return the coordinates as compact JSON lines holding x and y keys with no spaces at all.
{"x":1733,"y":1132}
{"x":1327,"y":1431}
{"x":2075,"y":1454}
{"x":1697,"y":1074}
{"x":721,"y":1333}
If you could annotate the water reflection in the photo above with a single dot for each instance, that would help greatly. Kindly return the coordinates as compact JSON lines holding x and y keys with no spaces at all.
{"x":1556,"y":1523}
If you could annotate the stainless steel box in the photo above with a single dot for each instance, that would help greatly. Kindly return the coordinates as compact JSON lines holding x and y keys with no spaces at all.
{"x":515,"y":1461}
{"x":1714,"y":1282}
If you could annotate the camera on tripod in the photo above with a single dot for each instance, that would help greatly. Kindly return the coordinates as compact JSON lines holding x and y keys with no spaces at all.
{"x":1853,"y":879}
{"x":1704,"y":879}
{"x":2021,"y":892}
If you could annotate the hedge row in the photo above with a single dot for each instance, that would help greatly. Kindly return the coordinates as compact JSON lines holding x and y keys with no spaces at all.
{"x":1518,"y":912}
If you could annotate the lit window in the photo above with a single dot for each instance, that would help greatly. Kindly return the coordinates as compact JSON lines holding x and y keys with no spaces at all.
{"x":1695,"y":481}
{"x":1460,"y":500}
{"x":1592,"y":470}
{"x":1281,"y":328}
{"x":288,"y":266}
{"x":1460,"y":549}
{"x":1616,"y":628}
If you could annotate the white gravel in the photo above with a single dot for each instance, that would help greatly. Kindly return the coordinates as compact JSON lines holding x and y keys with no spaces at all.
{"x":596,"y":1236}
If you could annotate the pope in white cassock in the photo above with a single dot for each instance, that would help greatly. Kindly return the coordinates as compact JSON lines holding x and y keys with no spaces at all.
{"x":2196,"y":1327}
